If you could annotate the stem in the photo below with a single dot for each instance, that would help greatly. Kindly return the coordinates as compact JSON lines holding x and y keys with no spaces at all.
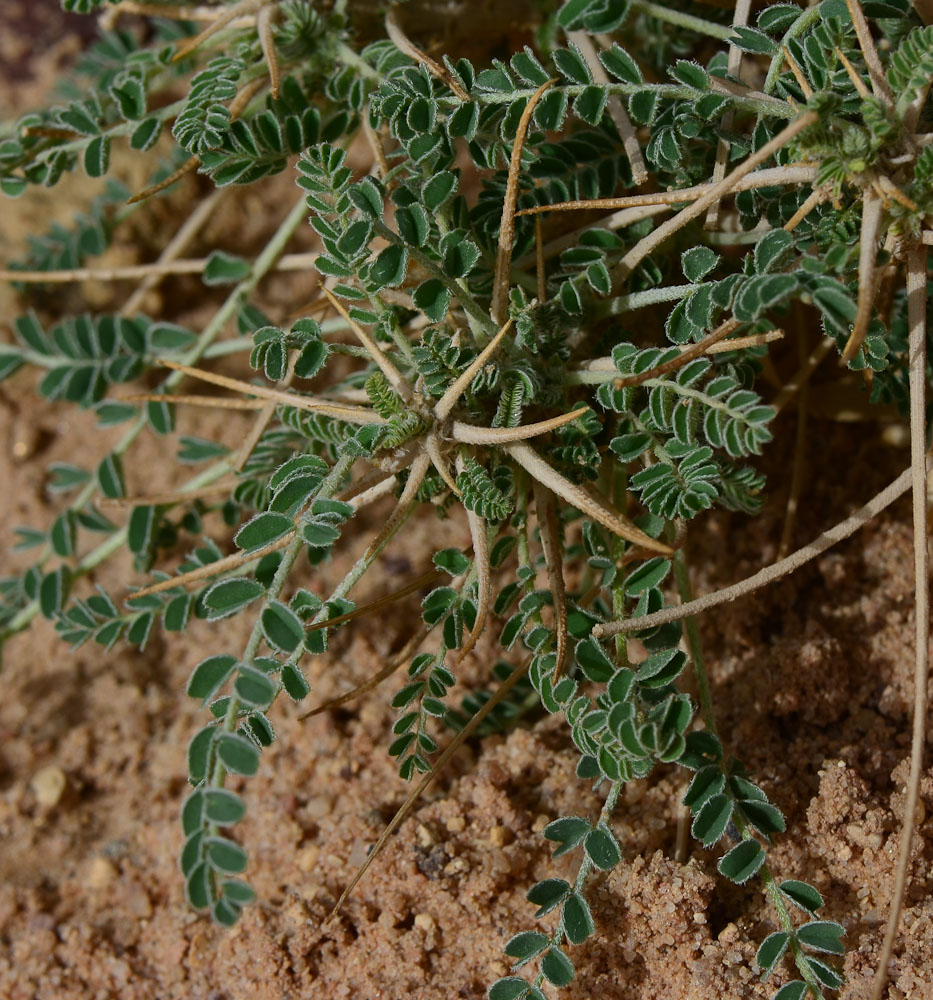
{"x":586,"y":865}
{"x":682,"y":577}
{"x":688,"y":21}
{"x":807,"y":17}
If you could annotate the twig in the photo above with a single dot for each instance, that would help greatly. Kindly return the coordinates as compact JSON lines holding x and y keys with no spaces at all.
{"x":769,"y":574}
{"x":211,"y":402}
{"x":654,"y":239}
{"x":796,"y":173}
{"x":405,"y":653}
{"x":159,"y":499}
{"x":550,"y":544}
{"x":802,"y":81}
{"x":872,"y":213}
{"x":474,"y":434}
{"x":352,"y":414}
{"x":584,"y":501}
{"x":264,"y":21}
{"x":405,"y":44}
{"x":396,"y":379}
{"x":687,"y":354}
{"x":224,"y":16}
{"x":813,"y":199}
{"x":857,"y":81}
{"x":425,"y":580}
{"x":916,"y":321}
{"x":500,"y":288}
{"x":879,"y":82}
{"x":447,"y":402}
{"x":806,"y":370}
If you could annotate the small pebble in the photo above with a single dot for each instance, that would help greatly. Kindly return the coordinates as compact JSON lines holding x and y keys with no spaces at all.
{"x":48,"y":785}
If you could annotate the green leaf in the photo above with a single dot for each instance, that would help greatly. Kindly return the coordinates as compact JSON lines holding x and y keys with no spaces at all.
{"x":697,"y":262}
{"x":294,"y":682}
{"x":53,"y":591}
{"x":802,"y":894}
{"x":742,"y":862}
{"x":571,"y":64}
{"x":568,"y":832}
{"x":64,"y":477}
{"x":97,"y":157}
{"x":548,"y":895}
{"x":752,"y":40}
{"x":237,"y":892}
{"x":602,"y":848}
{"x":255,"y":688}
{"x":197,"y":887}
{"x":650,"y":574}
{"x":771,"y":951}
{"x":224,"y":269}
{"x":591,"y":103}
{"x":227,"y":597}
{"x":451,"y":561}
{"x":711,"y":821}
{"x":556,"y":967}
{"x":510,"y":988}
{"x":525,"y":946}
{"x":282,"y":627}
{"x":577,"y":918}
{"x":432,"y":298}
{"x":199,"y":753}
{"x":110,"y":476}
{"x":827,"y":975}
{"x":438,"y":189}
{"x":210,"y":675}
{"x":621,"y":65}
{"x":691,"y":74}
{"x":223,"y":807}
{"x":594,"y":663}
{"x":224,"y":855}
{"x":388,"y":270}
{"x":794,"y":990}
{"x":262,"y":530}
{"x":237,"y":754}
{"x":823,"y":935}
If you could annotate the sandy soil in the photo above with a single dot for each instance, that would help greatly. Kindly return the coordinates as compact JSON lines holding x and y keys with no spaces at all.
{"x":812,"y":684}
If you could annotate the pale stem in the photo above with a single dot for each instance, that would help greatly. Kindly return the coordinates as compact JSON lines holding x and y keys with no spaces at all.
{"x":916,"y":321}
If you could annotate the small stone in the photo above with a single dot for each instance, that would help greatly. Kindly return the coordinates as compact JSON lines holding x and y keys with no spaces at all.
{"x":541,"y":821}
{"x":100,"y":874}
{"x":308,"y":858}
{"x":425,"y":922}
{"x":699,"y":917}
{"x":48,"y":785}
{"x":426,"y":838}
{"x":455,"y":867}
{"x":499,"y":836}
{"x":456,"y":824}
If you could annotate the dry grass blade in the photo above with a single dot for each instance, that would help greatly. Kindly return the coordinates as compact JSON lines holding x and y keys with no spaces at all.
{"x":813,"y":199}
{"x":230,"y":562}
{"x":406,"y":45}
{"x":351,"y":414}
{"x":447,"y":402}
{"x":550,"y":544}
{"x":188,"y":167}
{"x":801,"y":376}
{"x":474,"y":434}
{"x":432,"y":445}
{"x":222,"y":18}
{"x":500,"y":288}
{"x":483,"y":577}
{"x":210,"y":402}
{"x":439,"y":765}
{"x":798,"y":173}
{"x":769,"y":574}
{"x":872,"y":212}
{"x":395,"y":377}
{"x":160,"y":499}
{"x":584,"y":501}
{"x":404,"y":654}
{"x":425,"y":580}
{"x":879,"y":82}
{"x":916,"y":321}
{"x":687,"y":354}
{"x":729,"y":183}
{"x":417,"y":472}
{"x":802,"y":81}
{"x":264,"y":21}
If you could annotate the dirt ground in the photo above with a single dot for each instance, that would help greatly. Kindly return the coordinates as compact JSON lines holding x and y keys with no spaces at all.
{"x":812,"y":685}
